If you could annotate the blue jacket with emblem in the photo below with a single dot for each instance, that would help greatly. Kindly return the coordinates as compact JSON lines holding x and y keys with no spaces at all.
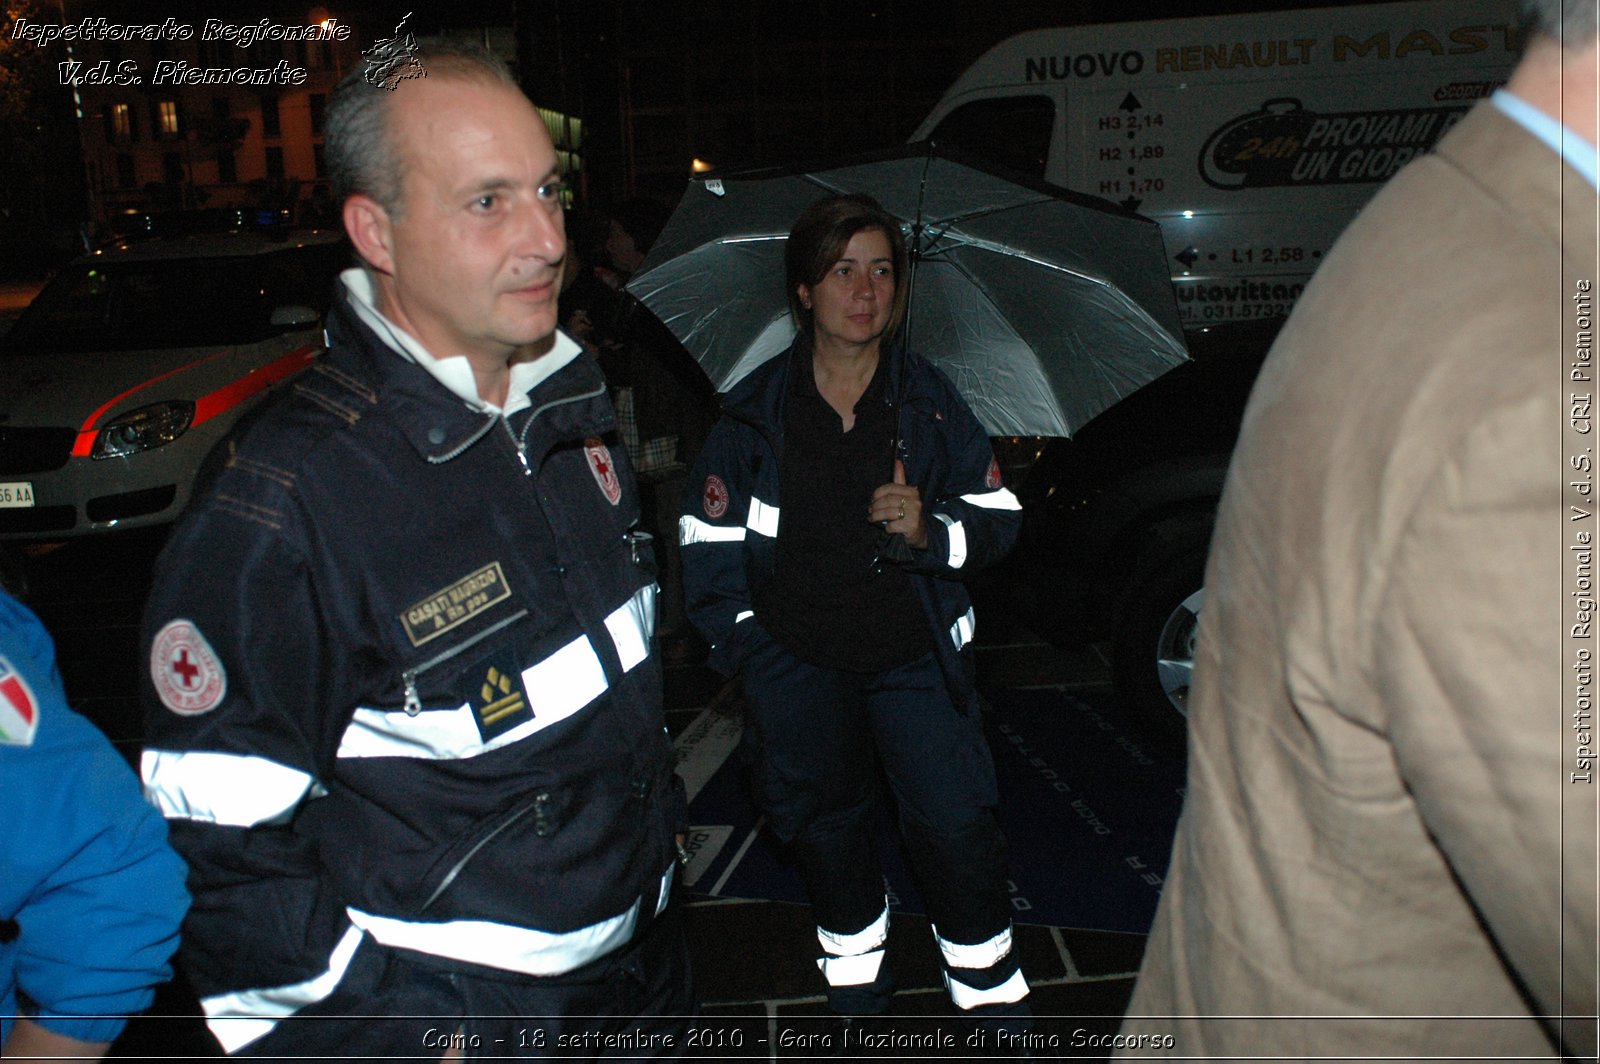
{"x":91,"y":895}
{"x":732,"y":509}
{"x":402,"y":686}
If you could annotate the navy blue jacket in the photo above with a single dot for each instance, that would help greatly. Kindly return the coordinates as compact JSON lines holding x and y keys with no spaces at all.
{"x":402,"y":686}
{"x":731,"y":512}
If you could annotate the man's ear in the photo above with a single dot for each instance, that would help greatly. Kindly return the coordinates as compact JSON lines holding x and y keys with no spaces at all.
{"x":371,"y":231}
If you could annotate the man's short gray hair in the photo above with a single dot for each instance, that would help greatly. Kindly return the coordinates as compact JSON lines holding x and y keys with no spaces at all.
{"x":360,"y":154}
{"x":1572,"y":22}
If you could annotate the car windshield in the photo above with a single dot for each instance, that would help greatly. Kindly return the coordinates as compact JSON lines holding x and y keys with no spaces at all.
{"x":128,"y":306}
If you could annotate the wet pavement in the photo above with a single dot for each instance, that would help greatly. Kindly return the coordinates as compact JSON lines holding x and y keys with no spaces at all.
{"x":754,"y":944}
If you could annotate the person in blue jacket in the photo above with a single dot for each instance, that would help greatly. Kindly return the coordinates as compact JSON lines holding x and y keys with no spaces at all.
{"x":91,"y":895}
{"x":845,"y":654}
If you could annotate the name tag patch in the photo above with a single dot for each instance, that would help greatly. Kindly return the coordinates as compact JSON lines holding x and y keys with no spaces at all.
{"x":455,"y":605}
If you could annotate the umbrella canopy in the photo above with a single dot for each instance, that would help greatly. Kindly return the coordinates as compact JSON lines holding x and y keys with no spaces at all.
{"x":1042,"y":305}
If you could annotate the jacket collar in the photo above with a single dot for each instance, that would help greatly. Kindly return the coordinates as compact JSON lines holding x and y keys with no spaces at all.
{"x":757,"y":400}
{"x":438,"y":423}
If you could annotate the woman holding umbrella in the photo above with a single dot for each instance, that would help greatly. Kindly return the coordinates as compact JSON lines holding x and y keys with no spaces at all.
{"x":823,"y":459}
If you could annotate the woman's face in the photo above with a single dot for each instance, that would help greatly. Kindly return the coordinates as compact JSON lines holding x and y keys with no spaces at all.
{"x":851,"y":305}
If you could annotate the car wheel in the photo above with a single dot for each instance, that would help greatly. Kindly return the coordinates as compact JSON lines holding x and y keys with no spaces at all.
{"x":1153,"y":645}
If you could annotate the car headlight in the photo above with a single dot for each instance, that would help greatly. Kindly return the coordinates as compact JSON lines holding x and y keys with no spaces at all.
{"x":144,"y":428}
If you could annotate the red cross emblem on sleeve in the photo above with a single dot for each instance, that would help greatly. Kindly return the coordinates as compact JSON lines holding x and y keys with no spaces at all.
{"x":604,"y":470}
{"x":715,"y":497}
{"x":187,"y":675}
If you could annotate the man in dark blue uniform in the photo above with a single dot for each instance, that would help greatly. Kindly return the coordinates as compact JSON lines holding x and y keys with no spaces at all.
{"x":404,"y":711}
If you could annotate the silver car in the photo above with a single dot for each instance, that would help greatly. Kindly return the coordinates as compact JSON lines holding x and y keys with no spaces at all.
{"x":133,"y":361}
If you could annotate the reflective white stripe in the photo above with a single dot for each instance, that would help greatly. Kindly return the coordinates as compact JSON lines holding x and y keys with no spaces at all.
{"x":694,"y":530}
{"x":851,"y":971}
{"x":958,"y":540}
{"x":243,"y":1016}
{"x":235,"y":790}
{"x":556,"y":688}
{"x":976,"y":955}
{"x":565,"y":682}
{"x":665,"y":894}
{"x":631,"y":625}
{"x":743,"y":615}
{"x":506,"y":946}
{"x":994,"y":500}
{"x":872,"y":936}
{"x":763,"y":518}
{"x":437,"y":735}
{"x":964,"y":629}
{"x":966,"y":997}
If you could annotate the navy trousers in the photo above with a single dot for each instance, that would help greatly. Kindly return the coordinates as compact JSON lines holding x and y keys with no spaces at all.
{"x":813,"y":736}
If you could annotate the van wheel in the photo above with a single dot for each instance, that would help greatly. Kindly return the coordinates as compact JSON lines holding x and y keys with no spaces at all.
{"x":1153,"y":644}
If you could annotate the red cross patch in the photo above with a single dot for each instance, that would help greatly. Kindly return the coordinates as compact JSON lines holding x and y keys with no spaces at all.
{"x":715,"y":497}
{"x":19,"y":710}
{"x":188,"y":677}
{"x":605,"y":473}
{"x":991,"y":479}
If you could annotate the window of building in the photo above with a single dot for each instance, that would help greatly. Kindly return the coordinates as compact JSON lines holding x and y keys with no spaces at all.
{"x":221,"y":107}
{"x":172,"y":168}
{"x":319,"y":104}
{"x":320,"y":159}
{"x":269,"y":115}
{"x":121,"y":121}
{"x":227,"y":168}
{"x":167,"y":113}
{"x":125,"y":175}
{"x":274,"y":162}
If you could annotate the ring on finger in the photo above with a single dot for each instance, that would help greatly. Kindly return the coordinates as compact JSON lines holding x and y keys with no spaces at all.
{"x":902,"y":516}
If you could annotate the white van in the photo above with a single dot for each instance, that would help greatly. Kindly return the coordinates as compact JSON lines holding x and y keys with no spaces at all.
{"x":1252,"y":139}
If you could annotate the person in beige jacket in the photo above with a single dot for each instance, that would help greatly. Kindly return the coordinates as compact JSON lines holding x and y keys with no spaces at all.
{"x":1388,"y":841}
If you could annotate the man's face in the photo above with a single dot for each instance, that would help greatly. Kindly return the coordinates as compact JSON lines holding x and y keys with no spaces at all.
{"x":475,"y":252}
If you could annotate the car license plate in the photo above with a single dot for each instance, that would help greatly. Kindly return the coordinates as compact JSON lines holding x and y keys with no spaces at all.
{"x":16,"y":493}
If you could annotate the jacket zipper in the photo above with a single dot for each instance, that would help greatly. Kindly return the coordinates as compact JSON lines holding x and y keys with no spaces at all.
{"x":521,"y":439}
{"x":522,"y":442}
{"x":440,"y":459}
{"x":413,"y":700}
{"x":539,"y":807}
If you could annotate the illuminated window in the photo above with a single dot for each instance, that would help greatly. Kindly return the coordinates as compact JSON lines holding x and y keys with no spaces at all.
{"x":121,"y":120}
{"x":168,"y":114}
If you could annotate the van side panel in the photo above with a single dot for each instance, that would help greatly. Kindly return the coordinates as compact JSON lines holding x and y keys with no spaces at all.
{"x":1252,"y":139}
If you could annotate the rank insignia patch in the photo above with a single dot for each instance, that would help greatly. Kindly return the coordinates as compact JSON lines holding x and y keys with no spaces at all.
{"x":605,"y":472}
{"x":185,"y":670}
{"x":991,"y":479}
{"x":19,"y":710}
{"x":498,"y":704}
{"x":715,"y":497}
